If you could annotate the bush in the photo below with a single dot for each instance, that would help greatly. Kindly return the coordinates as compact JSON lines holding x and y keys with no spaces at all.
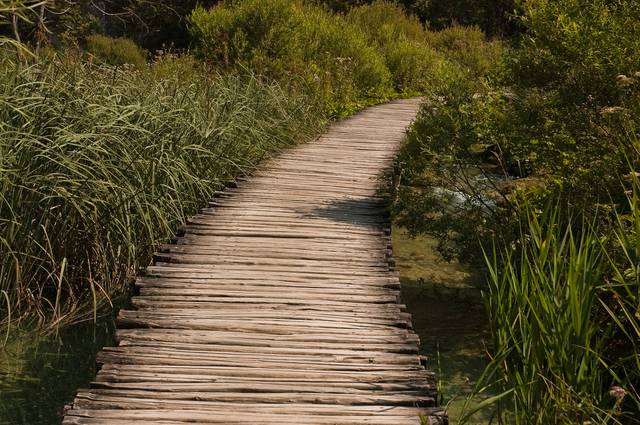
{"x":557,"y":120}
{"x":418,"y":69}
{"x":446,"y":193}
{"x":385,"y":22}
{"x":415,"y":67}
{"x":116,"y":51}
{"x":468,"y":47}
{"x":570,"y":137}
{"x":289,"y":41}
{"x":578,"y":47}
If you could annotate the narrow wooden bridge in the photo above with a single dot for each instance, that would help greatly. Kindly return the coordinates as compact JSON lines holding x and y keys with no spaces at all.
{"x":278,"y":304}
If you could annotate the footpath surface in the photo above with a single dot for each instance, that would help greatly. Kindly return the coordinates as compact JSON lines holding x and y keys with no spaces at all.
{"x":278,"y":304}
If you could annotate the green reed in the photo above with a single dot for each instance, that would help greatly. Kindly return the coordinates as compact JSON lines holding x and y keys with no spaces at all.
{"x":563,"y":307}
{"x":98,"y":164}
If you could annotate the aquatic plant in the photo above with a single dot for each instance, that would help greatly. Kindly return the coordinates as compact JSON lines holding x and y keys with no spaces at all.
{"x":562,"y":302}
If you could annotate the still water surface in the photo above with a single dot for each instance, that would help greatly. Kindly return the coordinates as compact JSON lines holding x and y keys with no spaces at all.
{"x":448,"y":315}
{"x":40,"y":375}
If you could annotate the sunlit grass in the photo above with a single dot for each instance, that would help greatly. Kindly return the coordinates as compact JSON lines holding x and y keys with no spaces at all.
{"x":560,"y":302}
{"x":98,"y":164}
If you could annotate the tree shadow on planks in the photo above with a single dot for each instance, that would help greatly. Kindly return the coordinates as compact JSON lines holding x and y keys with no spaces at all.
{"x":366,"y":212}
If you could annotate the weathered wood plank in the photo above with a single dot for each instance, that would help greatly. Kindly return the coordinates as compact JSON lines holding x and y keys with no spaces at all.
{"x":276,"y":304}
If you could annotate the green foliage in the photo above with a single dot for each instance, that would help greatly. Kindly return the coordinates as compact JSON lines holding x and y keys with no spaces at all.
{"x":155,"y":25}
{"x":71,"y":21}
{"x":417,"y":68}
{"x":385,"y":21}
{"x":116,"y":51}
{"x":401,"y":39}
{"x":578,"y":47}
{"x":62,"y":23}
{"x":99,"y":164}
{"x":288,"y":40}
{"x":374,"y":52}
{"x":569,"y":136}
{"x":341,"y":6}
{"x":467,"y":46}
{"x":540,"y":302}
{"x":447,"y":191}
{"x":12,"y":15}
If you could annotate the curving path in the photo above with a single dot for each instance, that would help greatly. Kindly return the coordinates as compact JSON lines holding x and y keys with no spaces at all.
{"x":278,"y":304}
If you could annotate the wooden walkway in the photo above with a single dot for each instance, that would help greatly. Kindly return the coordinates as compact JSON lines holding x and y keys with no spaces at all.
{"x":278,"y":304}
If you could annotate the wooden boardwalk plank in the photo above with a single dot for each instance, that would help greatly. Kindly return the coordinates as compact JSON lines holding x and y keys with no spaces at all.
{"x":277,"y":304}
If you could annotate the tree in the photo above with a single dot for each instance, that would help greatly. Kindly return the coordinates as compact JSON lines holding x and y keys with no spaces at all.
{"x":152,"y":24}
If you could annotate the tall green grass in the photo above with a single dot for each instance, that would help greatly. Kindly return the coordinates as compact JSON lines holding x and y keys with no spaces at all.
{"x":98,"y":164}
{"x":564,"y":311}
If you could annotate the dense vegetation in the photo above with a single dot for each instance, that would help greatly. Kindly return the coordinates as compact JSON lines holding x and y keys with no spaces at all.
{"x":370,"y":54}
{"x":535,"y":164}
{"x":99,"y":164}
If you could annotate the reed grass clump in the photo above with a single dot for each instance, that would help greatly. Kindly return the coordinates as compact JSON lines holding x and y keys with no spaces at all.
{"x":98,"y":164}
{"x":563,"y":304}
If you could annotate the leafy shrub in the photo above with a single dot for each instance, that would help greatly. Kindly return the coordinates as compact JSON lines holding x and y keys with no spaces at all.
{"x":415,"y":67}
{"x":467,"y":46}
{"x":578,"y":47}
{"x":418,"y":69}
{"x":374,"y":52}
{"x":116,"y":51}
{"x":288,"y":40}
{"x":534,"y":120}
{"x":446,"y":192}
{"x":557,"y":119}
{"x":385,"y":21}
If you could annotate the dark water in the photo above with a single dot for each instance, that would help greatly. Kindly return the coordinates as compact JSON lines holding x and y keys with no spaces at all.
{"x":40,"y":375}
{"x":448,"y":315}
{"x":453,"y":333}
